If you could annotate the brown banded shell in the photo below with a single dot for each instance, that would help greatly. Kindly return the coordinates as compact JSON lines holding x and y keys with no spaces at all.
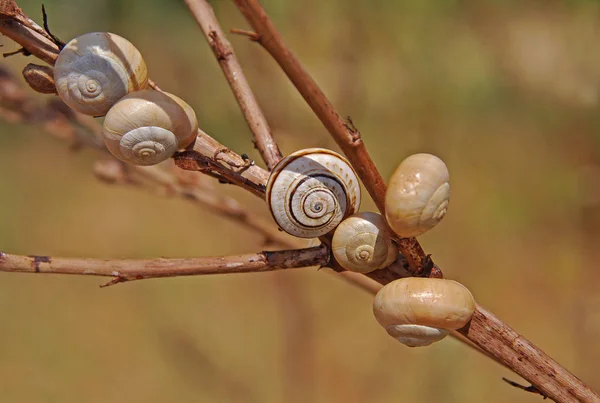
{"x":362,"y":243}
{"x":311,"y":191}
{"x":418,"y":195}
{"x":429,"y":302}
{"x":40,"y":78}
{"x":95,"y":70}
{"x":147,"y":127}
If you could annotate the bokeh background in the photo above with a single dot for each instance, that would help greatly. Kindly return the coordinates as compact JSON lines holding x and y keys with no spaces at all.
{"x":507,"y":93}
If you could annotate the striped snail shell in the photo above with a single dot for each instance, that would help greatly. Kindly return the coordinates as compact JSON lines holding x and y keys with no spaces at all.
{"x":362,"y":243}
{"x":419,"y":311}
{"x":311,"y":191}
{"x":147,"y":127}
{"x":95,"y":70}
{"x":418,"y":195}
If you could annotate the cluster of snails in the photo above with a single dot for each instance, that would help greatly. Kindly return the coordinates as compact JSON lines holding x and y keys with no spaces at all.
{"x":310,"y":193}
{"x":100,"y":74}
{"x":315,"y":191}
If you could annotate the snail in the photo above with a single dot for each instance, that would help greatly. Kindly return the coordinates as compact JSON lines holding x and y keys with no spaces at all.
{"x":419,"y":311}
{"x":418,"y":195}
{"x":362,"y":243}
{"x":40,"y":78}
{"x":95,"y":70}
{"x":311,"y":191}
{"x":147,"y":127}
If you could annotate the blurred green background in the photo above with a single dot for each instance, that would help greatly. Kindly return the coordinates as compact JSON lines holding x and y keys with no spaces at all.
{"x":506,"y":92}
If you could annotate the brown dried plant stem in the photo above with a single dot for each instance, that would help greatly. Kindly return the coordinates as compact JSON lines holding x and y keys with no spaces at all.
{"x":129,"y":269}
{"x":232,"y":69}
{"x":485,"y":330}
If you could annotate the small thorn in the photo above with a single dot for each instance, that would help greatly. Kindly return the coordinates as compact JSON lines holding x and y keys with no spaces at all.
{"x":114,"y":281}
{"x":531,"y":388}
{"x":57,"y":41}
{"x":250,"y":34}
{"x":24,"y":51}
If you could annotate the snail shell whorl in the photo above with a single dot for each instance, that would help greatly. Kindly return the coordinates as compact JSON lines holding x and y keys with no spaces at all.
{"x":311,"y":191}
{"x":426,"y":302}
{"x":418,"y":195}
{"x":147,"y":127}
{"x":95,"y":70}
{"x":416,"y":335}
{"x":362,"y":243}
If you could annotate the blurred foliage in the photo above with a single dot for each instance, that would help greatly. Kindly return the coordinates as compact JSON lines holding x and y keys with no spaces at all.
{"x":506,"y":92}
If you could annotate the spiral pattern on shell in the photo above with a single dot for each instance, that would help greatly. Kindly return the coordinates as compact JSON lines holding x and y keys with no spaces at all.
{"x":311,"y":191}
{"x":95,"y":70}
{"x":418,"y":311}
{"x":362,"y":243}
{"x":147,"y":127}
{"x":418,"y":195}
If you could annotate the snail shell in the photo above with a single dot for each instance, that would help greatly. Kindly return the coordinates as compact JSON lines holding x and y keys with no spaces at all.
{"x":147,"y":127}
{"x":362,"y":243}
{"x":311,"y":191}
{"x":418,"y":195}
{"x":418,"y":311}
{"x":40,"y":78}
{"x":95,"y":70}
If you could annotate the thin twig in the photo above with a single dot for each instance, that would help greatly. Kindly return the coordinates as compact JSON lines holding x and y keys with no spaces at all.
{"x":531,"y":389}
{"x":122,"y":270}
{"x":266,"y":145}
{"x":55,"y":38}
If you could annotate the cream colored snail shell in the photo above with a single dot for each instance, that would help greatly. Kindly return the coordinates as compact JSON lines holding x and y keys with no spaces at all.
{"x":362,"y":243}
{"x":419,"y":311}
{"x":418,"y":195}
{"x":311,"y":191}
{"x":95,"y":70}
{"x":147,"y":127}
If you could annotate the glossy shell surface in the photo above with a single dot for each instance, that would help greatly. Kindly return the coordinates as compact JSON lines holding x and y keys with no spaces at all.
{"x":147,"y":127}
{"x":439,"y":303}
{"x":311,"y":191}
{"x":418,"y":195}
{"x":95,"y":70}
{"x":362,"y":243}
{"x":416,"y":335}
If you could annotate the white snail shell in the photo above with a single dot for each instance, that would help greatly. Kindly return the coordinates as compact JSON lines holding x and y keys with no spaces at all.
{"x":147,"y":127}
{"x":418,"y":195}
{"x":419,"y":311}
{"x":362,"y":243}
{"x":95,"y":70}
{"x":311,"y":191}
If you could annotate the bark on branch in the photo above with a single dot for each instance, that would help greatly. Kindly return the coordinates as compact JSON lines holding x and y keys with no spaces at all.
{"x":234,"y":74}
{"x":122,"y":270}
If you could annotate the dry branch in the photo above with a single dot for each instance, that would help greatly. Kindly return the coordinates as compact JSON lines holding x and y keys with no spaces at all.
{"x":234,"y":74}
{"x":122,"y":270}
